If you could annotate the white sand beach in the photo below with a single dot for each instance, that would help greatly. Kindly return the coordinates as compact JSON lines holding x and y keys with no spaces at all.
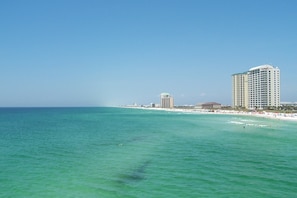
{"x":264,"y":114}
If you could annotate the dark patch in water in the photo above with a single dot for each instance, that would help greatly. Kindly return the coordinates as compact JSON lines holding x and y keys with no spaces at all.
{"x":135,"y":175}
{"x":132,"y":140}
{"x":137,"y":139}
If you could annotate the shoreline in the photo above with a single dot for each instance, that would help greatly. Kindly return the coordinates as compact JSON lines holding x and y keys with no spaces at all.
{"x":263,"y":114}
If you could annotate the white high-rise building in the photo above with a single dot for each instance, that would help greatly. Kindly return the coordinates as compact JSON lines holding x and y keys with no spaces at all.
{"x":166,"y":101}
{"x":240,"y":90}
{"x":263,"y":87}
{"x":259,"y":88}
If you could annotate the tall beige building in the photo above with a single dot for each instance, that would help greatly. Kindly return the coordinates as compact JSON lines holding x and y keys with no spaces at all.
{"x":166,"y":100}
{"x":240,"y":90}
{"x":259,"y":88}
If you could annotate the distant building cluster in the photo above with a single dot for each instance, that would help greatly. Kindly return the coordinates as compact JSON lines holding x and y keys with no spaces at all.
{"x":168,"y":102}
{"x":258,"y":88}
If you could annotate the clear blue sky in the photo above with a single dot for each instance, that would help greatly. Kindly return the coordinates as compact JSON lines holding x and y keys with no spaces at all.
{"x":98,"y":53}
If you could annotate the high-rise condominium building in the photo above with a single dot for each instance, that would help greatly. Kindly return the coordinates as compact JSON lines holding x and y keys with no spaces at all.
{"x":257,"y":88}
{"x":166,"y":101}
{"x":264,"y":87}
{"x":240,"y":90}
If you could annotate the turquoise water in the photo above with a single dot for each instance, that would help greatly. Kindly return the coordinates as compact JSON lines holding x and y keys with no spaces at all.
{"x":114,"y":152}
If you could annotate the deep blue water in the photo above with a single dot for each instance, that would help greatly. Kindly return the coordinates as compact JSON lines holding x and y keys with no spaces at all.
{"x":116,"y":152}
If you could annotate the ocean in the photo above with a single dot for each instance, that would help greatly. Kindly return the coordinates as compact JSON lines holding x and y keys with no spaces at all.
{"x":121,"y":152}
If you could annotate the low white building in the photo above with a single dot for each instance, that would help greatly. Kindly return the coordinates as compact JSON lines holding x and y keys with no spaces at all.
{"x":208,"y":105}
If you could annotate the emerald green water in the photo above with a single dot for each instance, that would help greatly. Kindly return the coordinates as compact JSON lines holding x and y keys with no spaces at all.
{"x":114,"y":152}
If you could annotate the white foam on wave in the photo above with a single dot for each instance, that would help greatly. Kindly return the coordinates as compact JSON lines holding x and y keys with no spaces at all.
{"x":245,"y":120}
{"x":262,"y":125}
{"x":235,"y":122}
{"x":247,"y":124}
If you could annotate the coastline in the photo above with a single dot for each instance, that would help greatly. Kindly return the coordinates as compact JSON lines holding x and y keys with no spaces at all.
{"x":263,"y":114}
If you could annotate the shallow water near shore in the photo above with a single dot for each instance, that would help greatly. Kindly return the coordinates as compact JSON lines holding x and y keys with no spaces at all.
{"x":118,"y":152}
